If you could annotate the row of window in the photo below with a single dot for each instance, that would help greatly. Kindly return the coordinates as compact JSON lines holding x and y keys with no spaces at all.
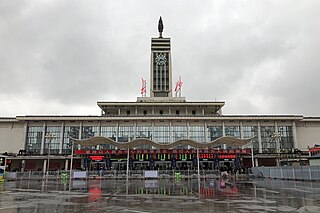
{"x":177,"y":112}
{"x":270,"y":141}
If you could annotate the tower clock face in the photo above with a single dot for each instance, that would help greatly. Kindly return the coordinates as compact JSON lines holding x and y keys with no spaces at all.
{"x":161,"y":60}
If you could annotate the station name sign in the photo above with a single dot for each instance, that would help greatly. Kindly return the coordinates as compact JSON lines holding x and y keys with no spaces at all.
{"x":163,"y":151}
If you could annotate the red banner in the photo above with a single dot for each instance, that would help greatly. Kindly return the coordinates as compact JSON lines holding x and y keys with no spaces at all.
{"x":163,"y":151}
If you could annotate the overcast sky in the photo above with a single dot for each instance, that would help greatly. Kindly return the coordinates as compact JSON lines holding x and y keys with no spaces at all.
{"x":61,"y":57}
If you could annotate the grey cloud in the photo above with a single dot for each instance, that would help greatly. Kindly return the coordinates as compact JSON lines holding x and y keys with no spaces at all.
{"x":259,"y":57}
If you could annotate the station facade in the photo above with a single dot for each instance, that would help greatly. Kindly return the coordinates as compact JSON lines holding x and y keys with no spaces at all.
{"x":153,"y":122}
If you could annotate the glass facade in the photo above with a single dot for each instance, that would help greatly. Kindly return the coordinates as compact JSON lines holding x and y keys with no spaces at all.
{"x":89,"y":132}
{"x":250,"y":132}
{"x":267,"y":141}
{"x":197,"y":133}
{"x":126,"y":133}
{"x":286,"y":138}
{"x":179,"y":132}
{"x":161,"y":134}
{"x":214,"y":132}
{"x":54,"y":142}
{"x":144,"y":132}
{"x":108,"y":132}
{"x":34,"y":138}
{"x":72,"y":132}
{"x":233,"y":131}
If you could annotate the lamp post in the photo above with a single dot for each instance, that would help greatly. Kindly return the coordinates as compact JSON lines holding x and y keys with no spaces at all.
{"x":49,"y":136}
{"x":252,"y":156}
{"x":276,"y":137}
{"x":71,"y":161}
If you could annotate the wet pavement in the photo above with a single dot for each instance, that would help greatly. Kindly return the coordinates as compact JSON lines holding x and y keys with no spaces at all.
{"x":166,"y":195}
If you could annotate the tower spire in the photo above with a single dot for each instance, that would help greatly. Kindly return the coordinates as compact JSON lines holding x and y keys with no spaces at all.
{"x":160,"y":27}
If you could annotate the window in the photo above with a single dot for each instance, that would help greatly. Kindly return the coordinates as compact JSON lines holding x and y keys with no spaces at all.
{"x":161,"y":134}
{"x":161,"y":112}
{"x":267,"y":141}
{"x":233,"y":131}
{"x":193,"y":112}
{"x":128,"y":112}
{"x":197,"y":133}
{"x":55,"y":141}
{"x":34,"y":138}
{"x":125,"y":133}
{"x":69,"y":132}
{"x":177,"y":112}
{"x":144,"y":112}
{"x":250,"y":132}
{"x":214,"y":132}
{"x":286,"y":138}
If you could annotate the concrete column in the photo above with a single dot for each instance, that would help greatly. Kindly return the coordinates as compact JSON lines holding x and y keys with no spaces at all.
{"x":170,"y":132}
{"x":99,"y":128}
{"x":23,"y":165}
{"x":117,"y":131}
{"x":169,"y":111}
{"x":256,"y":162}
{"x":188,"y":129}
{"x":202,"y":111}
{"x":80,"y":133}
{"x":44,"y":165}
{"x":152,"y":129}
{"x":277,"y":139}
{"x":205,"y":132}
{"x":259,"y":138}
{"x":80,"y":129}
{"x":294,"y":134}
{"x":99,"y":132}
{"x":66,"y":164}
{"x":186,"y":110}
{"x":61,"y":137}
{"x":135,"y":130}
{"x":152,"y":110}
{"x":119,"y":111}
{"x":223,"y":129}
{"x":136,"y":110}
{"x":26,"y":135}
{"x":241,"y":130}
{"x":43,"y":138}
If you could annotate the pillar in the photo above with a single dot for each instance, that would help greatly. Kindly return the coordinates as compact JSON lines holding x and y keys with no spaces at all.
{"x":43,"y":137}
{"x":259,"y":138}
{"x":66,"y":164}
{"x":294,"y":134}
{"x":61,"y":137}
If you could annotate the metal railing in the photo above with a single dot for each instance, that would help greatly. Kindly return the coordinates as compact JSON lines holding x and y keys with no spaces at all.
{"x":309,"y":173}
{"x":107,"y":174}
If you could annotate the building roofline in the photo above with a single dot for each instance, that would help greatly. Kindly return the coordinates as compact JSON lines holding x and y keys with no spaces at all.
{"x":156,"y":117}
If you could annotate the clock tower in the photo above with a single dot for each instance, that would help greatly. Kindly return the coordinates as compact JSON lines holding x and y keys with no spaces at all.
{"x":160,"y":66}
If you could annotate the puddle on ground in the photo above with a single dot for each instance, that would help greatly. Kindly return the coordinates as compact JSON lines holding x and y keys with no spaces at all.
{"x":164,"y":195}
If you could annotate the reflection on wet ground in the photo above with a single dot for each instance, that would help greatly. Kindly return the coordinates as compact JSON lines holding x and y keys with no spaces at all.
{"x":166,"y":195}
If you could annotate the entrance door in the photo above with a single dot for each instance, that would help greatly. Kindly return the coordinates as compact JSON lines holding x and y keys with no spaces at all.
{"x":206,"y":165}
{"x":163,"y":165}
{"x":183,"y":165}
{"x":227,"y":164}
{"x":96,"y":166}
{"x":118,"y":165}
{"x":140,"y":165}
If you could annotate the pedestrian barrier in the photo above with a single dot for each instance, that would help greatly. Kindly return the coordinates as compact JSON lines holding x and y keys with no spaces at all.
{"x":108,"y":174}
{"x":306,"y":173}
